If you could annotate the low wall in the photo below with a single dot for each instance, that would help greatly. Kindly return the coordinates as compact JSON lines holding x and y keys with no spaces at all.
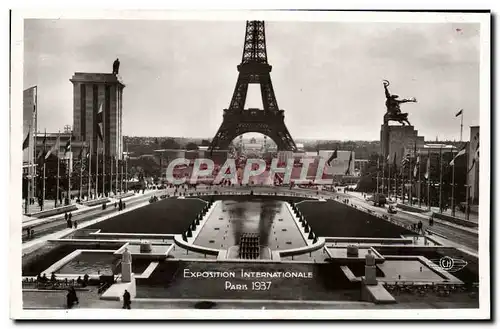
{"x":454,"y":220}
{"x":95,"y":202}
{"x":55,"y":211}
{"x":125,"y":195}
{"x":382,"y":241}
{"x":410,"y":208}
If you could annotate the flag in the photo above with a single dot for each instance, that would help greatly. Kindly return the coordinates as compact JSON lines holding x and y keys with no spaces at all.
{"x":459,"y":113}
{"x":332,"y":157}
{"x":41,"y":154}
{"x":81,"y":154}
{"x":405,"y":160}
{"x":67,"y":148}
{"x":55,"y":147}
{"x":417,"y":165}
{"x":99,"y":123}
{"x":428,"y":170}
{"x":389,"y":158}
{"x":378,"y":163}
{"x":462,"y":152}
{"x":348,"y":171}
{"x":26,"y":142}
{"x":475,"y":157}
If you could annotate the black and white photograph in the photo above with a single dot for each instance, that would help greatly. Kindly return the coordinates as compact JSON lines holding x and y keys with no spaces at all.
{"x":250,"y":165}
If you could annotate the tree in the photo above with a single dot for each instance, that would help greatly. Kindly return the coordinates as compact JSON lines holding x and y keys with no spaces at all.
{"x":191,"y":146}
{"x":205,"y":142}
{"x":170,"y":143}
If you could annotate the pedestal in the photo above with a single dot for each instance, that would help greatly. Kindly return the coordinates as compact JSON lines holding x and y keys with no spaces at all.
{"x":370,"y":275}
{"x":398,"y":139}
{"x":126,"y":272}
{"x":352,"y":251}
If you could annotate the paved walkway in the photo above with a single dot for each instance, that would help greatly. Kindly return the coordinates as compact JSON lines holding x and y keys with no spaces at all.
{"x":460,"y":235}
{"x":90,"y":300}
{"x":90,"y":219}
{"x":426,"y":215}
{"x":458,"y":214}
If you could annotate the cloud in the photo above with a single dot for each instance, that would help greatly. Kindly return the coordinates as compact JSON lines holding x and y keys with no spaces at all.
{"x":179,"y":75}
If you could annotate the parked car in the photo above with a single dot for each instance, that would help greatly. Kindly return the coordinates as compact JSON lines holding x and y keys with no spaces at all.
{"x":392,"y":210}
{"x":379,"y":200}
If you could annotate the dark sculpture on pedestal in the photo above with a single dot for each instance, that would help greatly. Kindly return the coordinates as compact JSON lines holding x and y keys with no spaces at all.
{"x":393,"y":109}
{"x":116,"y":66}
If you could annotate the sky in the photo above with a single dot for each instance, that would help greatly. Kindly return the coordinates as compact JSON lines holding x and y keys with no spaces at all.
{"x":327,"y":76}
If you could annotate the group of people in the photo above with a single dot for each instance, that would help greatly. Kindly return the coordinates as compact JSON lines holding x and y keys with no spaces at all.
{"x":69,"y":222}
{"x":43,"y":278}
{"x":120,"y":204}
{"x":30,"y":233}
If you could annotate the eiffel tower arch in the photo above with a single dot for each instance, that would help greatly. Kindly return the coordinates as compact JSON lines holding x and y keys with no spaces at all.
{"x":237,"y":120}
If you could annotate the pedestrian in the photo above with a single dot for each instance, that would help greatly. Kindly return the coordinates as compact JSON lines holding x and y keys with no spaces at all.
{"x":70,"y":216}
{"x":71,"y":298}
{"x":85,"y":280}
{"x":66,"y":216}
{"x":75,"y":224}
{"x":420,"y":226}
{"x":126,"y":300}
{"x":28,"y":232}
{"x":32,"y":233}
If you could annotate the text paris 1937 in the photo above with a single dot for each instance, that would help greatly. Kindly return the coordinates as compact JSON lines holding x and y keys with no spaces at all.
{"x":254,"y":285}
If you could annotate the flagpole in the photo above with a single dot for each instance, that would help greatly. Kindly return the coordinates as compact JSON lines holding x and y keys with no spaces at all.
{"x":121,"y":177}
{"x":111,"y":175}
{"x":395,"y":179}
{"x":440,"y":180}
{"x":453,"y":188}
{"x":35,"y":112}
{"x":81,"y":173}
{"x":58,"y":172}
{"x":378,"y":170}
{"x":103,"y":132}
{"x":30,"y":171}
{"x":383,"y":174}
{"x":97,"y":171}
{"x":117,"y":173}
{"x":467,"y":194}
{"x":126,"y":170}
{"x":70,"y":155}
{"x":410,"y":194}
{"x":419,"y":184}
{"x":89,"y":165}
{"x":30,"y":163}
{"x":43,"y":196}
{"x":429,"y":180}
{"x":389,"y":180}
{"x":43,"y":157}
{"x":103,"y":170}
{"x":461,"y":124}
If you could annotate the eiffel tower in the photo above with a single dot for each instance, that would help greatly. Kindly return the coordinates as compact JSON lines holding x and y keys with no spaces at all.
{"x":271,"y":120}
